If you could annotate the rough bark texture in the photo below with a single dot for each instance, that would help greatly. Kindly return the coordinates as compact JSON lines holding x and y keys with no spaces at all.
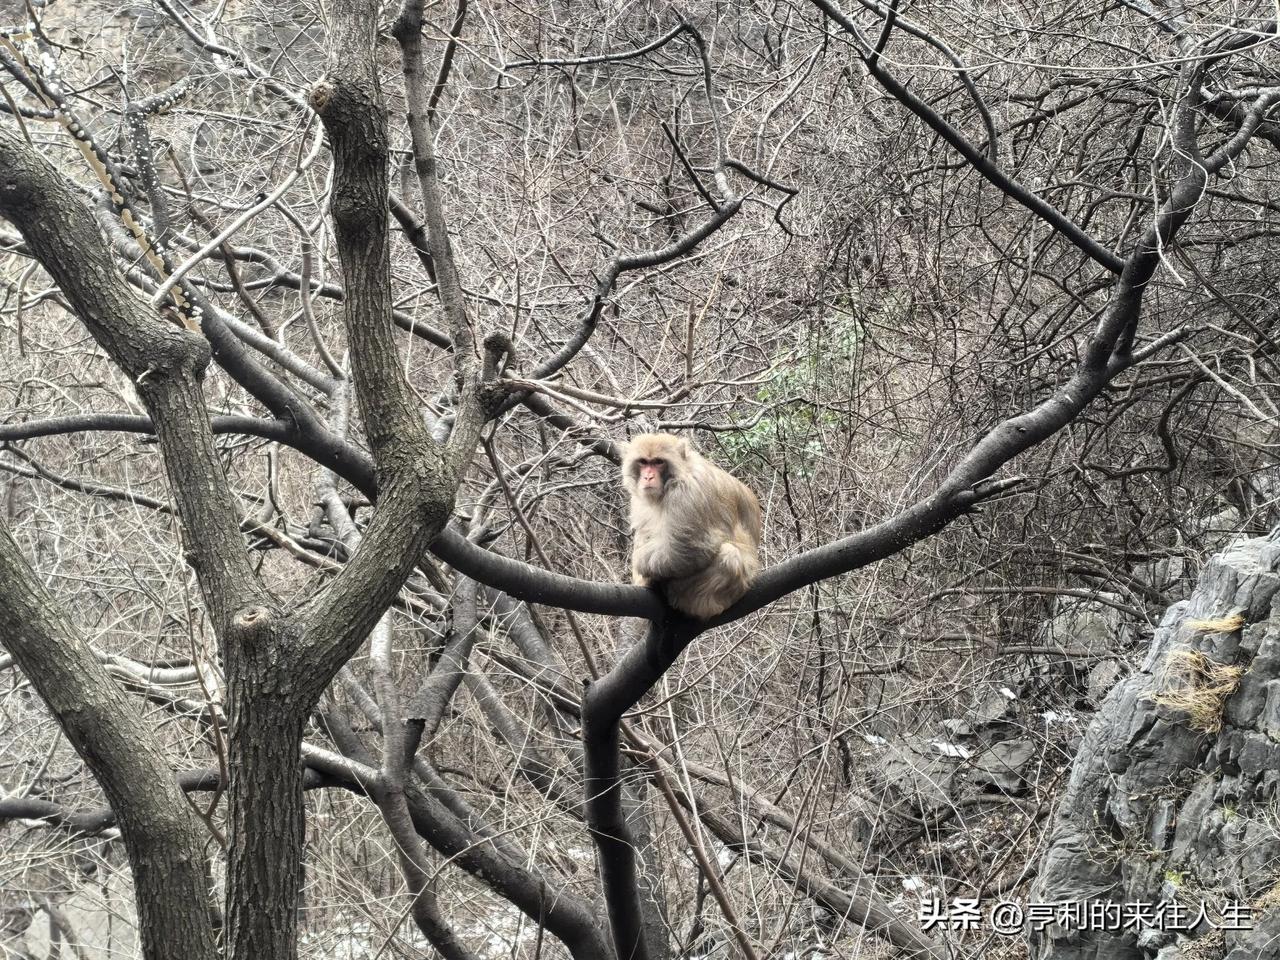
{"x":416,"y":486}
{"x":166,"y":854}
{"x":165,"y":363}
{"x":265,"y":807}
{"x":1157,"y":809}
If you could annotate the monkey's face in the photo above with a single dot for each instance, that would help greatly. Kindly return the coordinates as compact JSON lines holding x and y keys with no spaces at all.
{"x":651,"y":476}
{"x":653,"y":462}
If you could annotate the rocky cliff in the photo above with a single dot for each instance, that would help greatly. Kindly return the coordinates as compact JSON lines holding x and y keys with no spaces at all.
{"x":1172,"y":812}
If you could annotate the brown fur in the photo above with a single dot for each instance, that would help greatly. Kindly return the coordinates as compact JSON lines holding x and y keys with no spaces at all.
{"x":697,"y":537}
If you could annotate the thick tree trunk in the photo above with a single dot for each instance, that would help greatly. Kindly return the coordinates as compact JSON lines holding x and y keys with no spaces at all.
{"x":264,"y":803}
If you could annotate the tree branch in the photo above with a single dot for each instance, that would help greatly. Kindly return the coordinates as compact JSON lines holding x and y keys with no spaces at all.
{"x":416,"y":483}
{"x":165,"y":363}
{"x":108,"y":732}
{"x":976,"y":158}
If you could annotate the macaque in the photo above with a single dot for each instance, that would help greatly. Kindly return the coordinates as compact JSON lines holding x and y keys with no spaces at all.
{"x":696,"y":529}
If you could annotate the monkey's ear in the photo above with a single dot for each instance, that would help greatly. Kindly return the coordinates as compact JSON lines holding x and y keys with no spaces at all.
{"x":684,"y":446}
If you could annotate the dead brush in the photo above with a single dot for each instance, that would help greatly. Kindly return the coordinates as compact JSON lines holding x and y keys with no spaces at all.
{"x":1198,"y":687}
{"x":1227,"y":624}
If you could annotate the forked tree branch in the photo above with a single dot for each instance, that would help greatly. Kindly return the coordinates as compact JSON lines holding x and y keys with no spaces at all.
{"x":165,"y":363}
{"x":416,"y":483}
{"x":161,"y":833}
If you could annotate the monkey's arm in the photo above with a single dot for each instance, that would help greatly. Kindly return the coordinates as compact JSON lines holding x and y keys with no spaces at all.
{"x":655,"y":559}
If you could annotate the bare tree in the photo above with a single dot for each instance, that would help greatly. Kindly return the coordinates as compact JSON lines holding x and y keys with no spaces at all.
{"x":383,"y":319}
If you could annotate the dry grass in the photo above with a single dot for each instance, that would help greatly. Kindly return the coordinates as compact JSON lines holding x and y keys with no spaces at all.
{"x":1269,"y":900}
{"x":1213,"y":945}
{"x":1198,"y":687}
{"x":1221,"y":625}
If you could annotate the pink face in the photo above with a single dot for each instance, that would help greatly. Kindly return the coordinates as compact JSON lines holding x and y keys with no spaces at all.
{"x":651,"y":476}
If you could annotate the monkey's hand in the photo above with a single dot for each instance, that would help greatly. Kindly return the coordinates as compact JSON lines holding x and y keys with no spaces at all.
{"x":673,"y":561}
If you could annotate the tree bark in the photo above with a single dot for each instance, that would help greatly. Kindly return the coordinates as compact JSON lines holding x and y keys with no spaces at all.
{"x":161,"y":833}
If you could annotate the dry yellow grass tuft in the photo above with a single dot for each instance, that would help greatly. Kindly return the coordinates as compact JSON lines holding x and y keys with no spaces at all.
{"x":1197,"y":686}
{"x":1220,"y":625}
{"x":1269,"y":900}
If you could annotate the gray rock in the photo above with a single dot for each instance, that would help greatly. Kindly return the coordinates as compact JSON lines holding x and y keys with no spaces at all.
{"x":1173,"y":790}
{"x":1087,"y":625}
{"x":996,"y":703}
{"x":1105,"y":675}
{"x":957,"y":728}
{"x":1153,"y":938}
{"x":920,"y":773}
{"x":1003,"y":765}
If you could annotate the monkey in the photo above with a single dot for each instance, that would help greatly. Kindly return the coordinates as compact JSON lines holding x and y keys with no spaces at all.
{"x":696,"y":529}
